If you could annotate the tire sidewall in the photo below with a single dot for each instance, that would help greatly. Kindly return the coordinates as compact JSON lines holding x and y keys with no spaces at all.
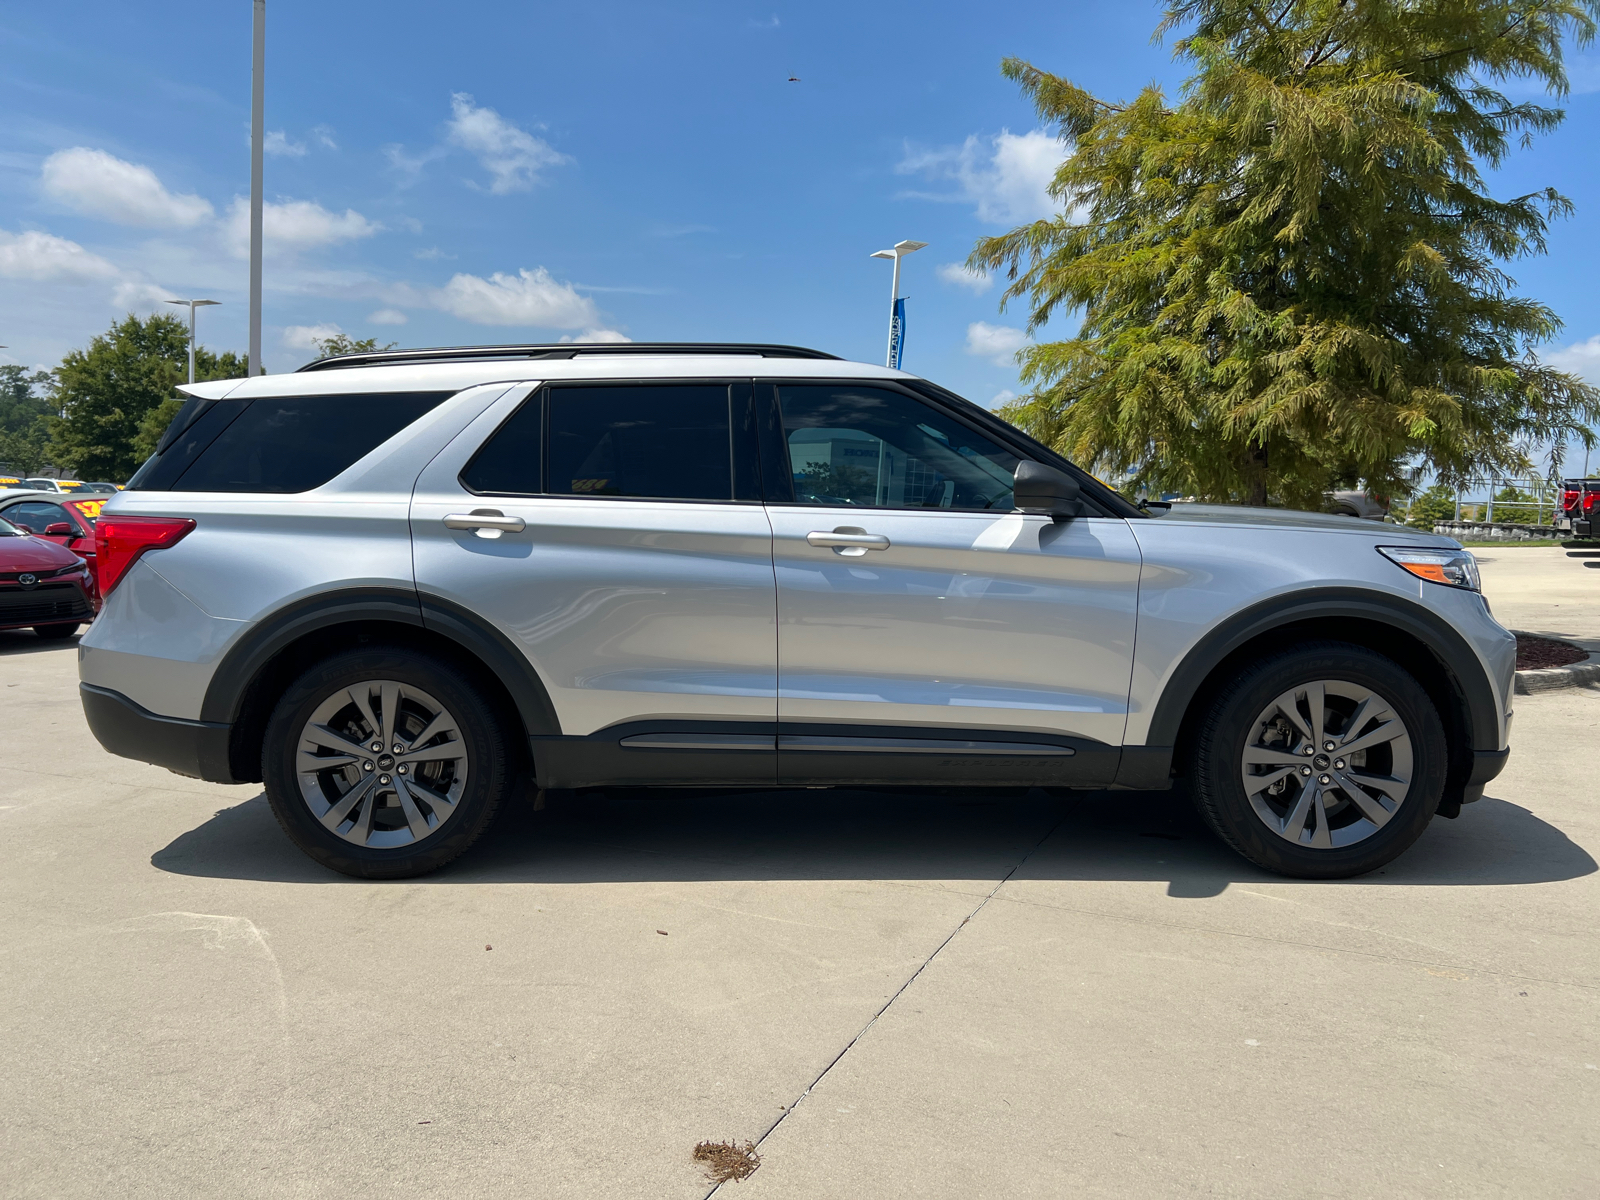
{"x":480,"y":730}
{"x":1221,"y":790}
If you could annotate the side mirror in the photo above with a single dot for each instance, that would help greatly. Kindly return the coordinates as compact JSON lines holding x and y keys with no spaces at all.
{"x":1045,"y":491}
{"x":60,"y":529}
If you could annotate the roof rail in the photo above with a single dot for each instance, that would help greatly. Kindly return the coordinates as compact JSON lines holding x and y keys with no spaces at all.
{"x":379,"y":358}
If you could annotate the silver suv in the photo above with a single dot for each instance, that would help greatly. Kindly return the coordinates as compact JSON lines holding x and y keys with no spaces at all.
{"x":398,"y":587}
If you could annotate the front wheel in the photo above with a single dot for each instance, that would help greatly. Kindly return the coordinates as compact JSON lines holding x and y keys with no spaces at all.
{"x":1321,"y":762}
{"x":384,"y":763}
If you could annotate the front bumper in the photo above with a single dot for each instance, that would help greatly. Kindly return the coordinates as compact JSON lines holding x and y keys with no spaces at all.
{"x":198,"y":749}
{"x":51,"y":602}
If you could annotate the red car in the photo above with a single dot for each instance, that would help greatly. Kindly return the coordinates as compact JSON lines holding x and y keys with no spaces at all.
{"x":43,"y":585}
{"x":67,"y":522}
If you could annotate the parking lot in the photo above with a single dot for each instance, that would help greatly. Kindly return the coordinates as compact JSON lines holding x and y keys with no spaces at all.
{"x":909,"y":995}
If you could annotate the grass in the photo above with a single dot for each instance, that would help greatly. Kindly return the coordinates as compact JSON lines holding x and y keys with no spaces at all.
{"x":1476,"y":544}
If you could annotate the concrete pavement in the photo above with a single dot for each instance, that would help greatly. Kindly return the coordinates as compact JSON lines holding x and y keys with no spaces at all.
{"x":1550,"y":590}
{"x":1083,"y":997}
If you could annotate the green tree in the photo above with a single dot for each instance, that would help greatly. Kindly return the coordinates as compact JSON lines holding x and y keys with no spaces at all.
{"x":1289,"y":280}
{"x":108,"y":391}
{"x":340,"y":343}
{"x":207,"y":366}
{"x":25,"y":408}
{"x":1436,"y":504}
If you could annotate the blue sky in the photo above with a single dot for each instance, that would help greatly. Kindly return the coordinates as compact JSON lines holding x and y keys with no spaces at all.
{"x":505,"y":172}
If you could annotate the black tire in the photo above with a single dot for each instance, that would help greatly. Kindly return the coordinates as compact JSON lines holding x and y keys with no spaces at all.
{"x":487,"y":773}
{"x":1230,"y":723}
{"x":55,"y":633}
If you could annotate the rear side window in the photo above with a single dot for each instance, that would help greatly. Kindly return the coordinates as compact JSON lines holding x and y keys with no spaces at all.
{"x":281,"y":443}
{"x":661,"y":441}
{"x":511,"y":462}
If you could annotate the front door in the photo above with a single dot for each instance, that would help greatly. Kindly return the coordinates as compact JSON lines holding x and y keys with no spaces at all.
{"x":614,"y":535}
{"x":927,"y":633}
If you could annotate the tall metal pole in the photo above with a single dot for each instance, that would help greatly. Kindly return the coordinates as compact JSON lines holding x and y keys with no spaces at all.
{"x":894,"y":294}
{"x":258,"y":70}
{"x":191,"y":341}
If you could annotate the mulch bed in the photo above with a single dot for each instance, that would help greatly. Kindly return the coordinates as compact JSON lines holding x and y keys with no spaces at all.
{"x":1536,"y":653}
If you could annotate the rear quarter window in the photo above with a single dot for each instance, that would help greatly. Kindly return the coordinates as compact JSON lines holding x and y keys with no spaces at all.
{"x":281,"y":444}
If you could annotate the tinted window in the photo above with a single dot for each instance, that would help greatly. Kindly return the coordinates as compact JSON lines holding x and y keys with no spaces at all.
{"x":874,"y":448}
{"x":668,"y":441}
{"x":296,"y":443}
{"x":37,"y":514}
{"x":510,"y":462}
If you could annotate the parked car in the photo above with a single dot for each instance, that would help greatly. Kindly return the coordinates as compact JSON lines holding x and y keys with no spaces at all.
{"x":53,"y":517}
{"x":11,"y":483}
{"x":1358,"y":504}
{"x":396,"y":586}
{"x":42,"y":585}
{"x":1578,"y":498}
{"x":102,"y":486}
{"x":41,"y":485}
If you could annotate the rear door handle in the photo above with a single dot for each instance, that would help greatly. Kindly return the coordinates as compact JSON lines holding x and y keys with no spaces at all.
{"x":848,"y":540}
{"x":485,"y":519}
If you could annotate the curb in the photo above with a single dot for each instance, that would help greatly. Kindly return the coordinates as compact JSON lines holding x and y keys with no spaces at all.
{"x":1550,"y":679}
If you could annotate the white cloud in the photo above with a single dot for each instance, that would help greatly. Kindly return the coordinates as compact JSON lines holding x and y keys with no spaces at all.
{"x":306,"y":337}
{"x":136,"y":295}
{"x":432,"y":252}
{"x":998,"y":343}
{"x":278,"y":143}
{"x":387,"y":316}
{"x":1581,"y":359}
{"x":43,"y":257}
{"x":1005,"y":177}
{"x":526,"y":298}
{"x":102,"y":185}
{"x":595,"y":335}
{"x":512,"y":155}
{"x":1003,"y":396}
{"x":324,"y":136}
{"x":296,"y":225}
{"x":964,"y":276}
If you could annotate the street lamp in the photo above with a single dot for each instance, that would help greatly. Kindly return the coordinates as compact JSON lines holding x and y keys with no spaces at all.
{"x":193,"y":304}
{"x":896,"y":333}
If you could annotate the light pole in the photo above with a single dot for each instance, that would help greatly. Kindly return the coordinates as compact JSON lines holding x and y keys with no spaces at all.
{"x":193,"y":304}
{"x":901,"y":249}
{"x":258,"y":70}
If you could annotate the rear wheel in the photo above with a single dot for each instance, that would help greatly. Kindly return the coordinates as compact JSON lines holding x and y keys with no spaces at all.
{"x":1321,"y":762}
{"x":384,"y":763}
{"x":55,"y":633}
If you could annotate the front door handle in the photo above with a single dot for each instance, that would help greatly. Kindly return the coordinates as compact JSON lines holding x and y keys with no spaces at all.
{"x":486,"y":522}
{"x":849,"y":540}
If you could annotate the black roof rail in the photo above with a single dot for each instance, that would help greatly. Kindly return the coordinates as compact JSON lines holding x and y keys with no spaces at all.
{"x":379,"y":358}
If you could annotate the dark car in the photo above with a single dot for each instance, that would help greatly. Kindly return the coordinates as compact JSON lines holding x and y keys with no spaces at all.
{"x":64,"y":520}
{"x":42,"y":585}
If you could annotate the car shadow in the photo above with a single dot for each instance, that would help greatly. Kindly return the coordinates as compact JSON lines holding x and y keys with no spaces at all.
{"x":685,"y":835}
{"x":26,"y":641}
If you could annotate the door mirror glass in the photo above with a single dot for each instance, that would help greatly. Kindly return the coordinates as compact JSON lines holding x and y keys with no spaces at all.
{"x":868,"y":447}
{"x":1045,"y":490}
{"x":60,"y":529}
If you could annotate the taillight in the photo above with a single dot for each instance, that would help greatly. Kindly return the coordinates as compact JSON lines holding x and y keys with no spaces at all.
{"x":119,"y":541}
{"x":1588,"y":500}
{"x":1569,"y":498}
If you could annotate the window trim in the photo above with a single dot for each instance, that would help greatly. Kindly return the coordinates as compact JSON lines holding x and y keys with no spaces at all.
{"x":542,"y":394}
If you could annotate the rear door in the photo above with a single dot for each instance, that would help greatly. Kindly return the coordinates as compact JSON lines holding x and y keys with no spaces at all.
{"x":614,"y":535}
{"x":926,"y":632}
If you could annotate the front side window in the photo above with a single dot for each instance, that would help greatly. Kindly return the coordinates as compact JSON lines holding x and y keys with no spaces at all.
{"x":871,"y":447}
{"x":38,"y":515}
{"x":656,"y":441}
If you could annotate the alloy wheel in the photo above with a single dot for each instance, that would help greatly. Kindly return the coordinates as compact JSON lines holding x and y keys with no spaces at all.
{"x":381,"y":764}
{"x":1327,"y":764}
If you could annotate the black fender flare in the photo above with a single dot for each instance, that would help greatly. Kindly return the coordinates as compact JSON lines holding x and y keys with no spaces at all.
{"x":1404,"y":616}
{"x":268,"y":637}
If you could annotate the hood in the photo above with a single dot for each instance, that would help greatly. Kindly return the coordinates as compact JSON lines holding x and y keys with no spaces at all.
{"x":33,"y":554}
{"x":1283,"y":518}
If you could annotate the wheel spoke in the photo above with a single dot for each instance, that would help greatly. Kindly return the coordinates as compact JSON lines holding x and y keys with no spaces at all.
{"x":1289,"y":705}
{"x":1260,"y":783}
{"x":441,"y":804}
{"x":1322,"y":836}
{"x":1367,"y":711}
{"x":1271,"y":756}
{"x":1294,"y":824}
{"x":1394,"y":788}
{"x":362,"y":697}
{"x":390,"y":699}
{"x":414,"y":817}
{"x":309,"y":764}
{"x":340,"y":809}
{"x":448,"y":752}
{"x":1387,"y":732}
{"x":1317,"y":702}
{"x":1369,"y":806}
{"x":441,"y":723}
{"x":323,"y":736}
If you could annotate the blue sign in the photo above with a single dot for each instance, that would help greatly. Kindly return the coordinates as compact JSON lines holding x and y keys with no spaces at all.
{"x":897,"y":332}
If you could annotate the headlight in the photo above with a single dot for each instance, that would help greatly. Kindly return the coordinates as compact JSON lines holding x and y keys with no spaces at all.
{"x":1453,"y":568}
